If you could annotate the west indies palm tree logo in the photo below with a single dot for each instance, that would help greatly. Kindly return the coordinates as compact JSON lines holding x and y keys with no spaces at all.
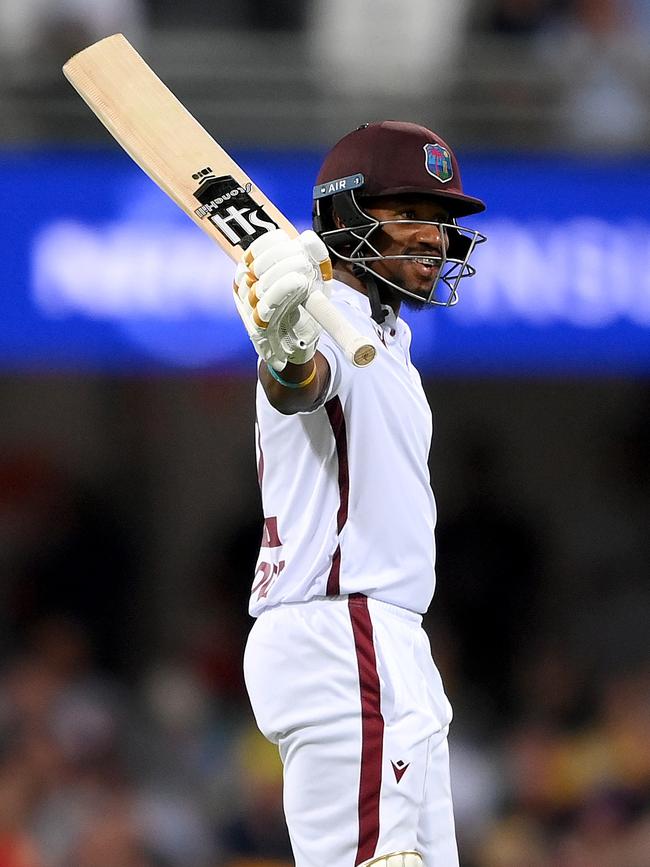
{"x":438,"y":162}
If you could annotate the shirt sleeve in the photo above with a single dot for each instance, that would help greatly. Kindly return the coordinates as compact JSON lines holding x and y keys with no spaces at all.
{"x":338,"y":365}
{"x":341,"y":369}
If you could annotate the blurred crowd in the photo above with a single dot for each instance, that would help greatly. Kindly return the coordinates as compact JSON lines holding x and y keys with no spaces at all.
{"x":124,"y":747}
{"x":167,"y":770}
{"x":578,"y":68}
{"x":513,"y":17}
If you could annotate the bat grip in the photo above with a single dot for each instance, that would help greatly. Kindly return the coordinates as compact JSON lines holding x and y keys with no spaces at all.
{"x":358,"y":349}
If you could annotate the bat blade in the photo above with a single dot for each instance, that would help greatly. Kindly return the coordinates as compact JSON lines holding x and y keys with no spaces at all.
{"x":179,"y":155}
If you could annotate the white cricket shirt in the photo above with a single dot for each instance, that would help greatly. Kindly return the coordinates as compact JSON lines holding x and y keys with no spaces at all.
{"x":345,"y":489}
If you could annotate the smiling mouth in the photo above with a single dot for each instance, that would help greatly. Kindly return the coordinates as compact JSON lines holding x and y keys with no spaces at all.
{"x":426,"y":266}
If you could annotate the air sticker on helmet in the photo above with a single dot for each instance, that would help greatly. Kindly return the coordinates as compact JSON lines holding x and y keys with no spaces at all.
{"x":437,"y":161}
{"x":340,"y":185}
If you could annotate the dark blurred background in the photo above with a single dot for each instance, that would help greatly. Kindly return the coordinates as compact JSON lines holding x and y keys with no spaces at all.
{"x":129,"y":512}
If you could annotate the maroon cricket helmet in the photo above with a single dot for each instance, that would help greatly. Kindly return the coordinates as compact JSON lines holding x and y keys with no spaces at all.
{"x":395,"y":158}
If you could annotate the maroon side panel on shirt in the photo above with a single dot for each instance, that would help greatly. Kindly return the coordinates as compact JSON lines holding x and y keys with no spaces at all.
{"x":372,"y":728}
{"x":337,"y":421}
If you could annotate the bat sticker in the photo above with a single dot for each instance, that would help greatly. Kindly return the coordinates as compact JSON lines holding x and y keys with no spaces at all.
{"x":229,"y":205}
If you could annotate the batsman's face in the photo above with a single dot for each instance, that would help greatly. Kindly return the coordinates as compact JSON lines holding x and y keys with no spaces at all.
{"x":410,"y":228}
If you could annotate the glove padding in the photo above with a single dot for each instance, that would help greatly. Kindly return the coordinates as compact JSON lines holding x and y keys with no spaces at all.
{"x":272,"y":282}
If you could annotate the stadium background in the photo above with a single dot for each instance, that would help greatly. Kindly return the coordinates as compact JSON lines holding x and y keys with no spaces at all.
{"x":129,"y":513}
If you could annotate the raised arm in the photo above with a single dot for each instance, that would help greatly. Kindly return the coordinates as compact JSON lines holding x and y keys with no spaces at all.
{"x":272,"y":283}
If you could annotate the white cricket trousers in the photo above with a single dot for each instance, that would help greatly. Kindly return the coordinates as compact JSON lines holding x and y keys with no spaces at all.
{"x":347,"y":688}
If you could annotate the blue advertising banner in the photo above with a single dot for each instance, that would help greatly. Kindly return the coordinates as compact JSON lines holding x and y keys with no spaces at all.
{"x":100,"y":271}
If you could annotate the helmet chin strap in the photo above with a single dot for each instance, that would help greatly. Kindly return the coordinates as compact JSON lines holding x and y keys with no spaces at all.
{"x":377,"y":310}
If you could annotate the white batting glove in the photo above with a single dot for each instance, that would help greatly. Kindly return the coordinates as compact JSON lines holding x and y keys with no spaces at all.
{"x":272,"y":283}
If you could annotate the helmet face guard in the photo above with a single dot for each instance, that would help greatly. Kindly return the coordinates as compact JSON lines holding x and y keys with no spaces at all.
{"x":355,"y":242}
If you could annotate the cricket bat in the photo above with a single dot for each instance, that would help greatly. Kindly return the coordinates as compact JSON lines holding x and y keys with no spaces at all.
{"x":172,"y":147}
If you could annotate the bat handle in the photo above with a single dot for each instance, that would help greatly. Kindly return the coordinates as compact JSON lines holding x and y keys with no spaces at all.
{"x":358,"y":349}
